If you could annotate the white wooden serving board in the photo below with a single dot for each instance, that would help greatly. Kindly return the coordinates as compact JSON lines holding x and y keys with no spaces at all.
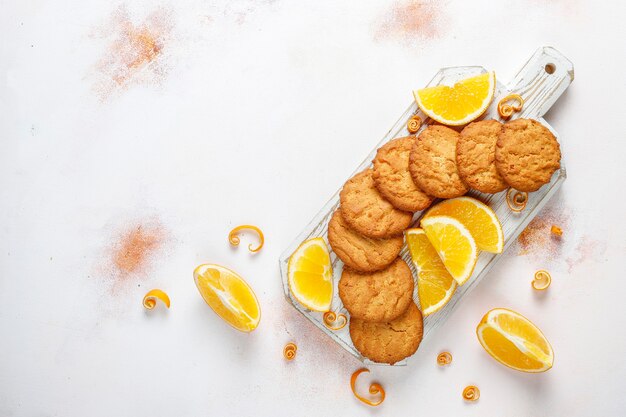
{"x":540,"y":82}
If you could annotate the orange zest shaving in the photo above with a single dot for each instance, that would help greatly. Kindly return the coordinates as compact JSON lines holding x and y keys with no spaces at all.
{"x":331,"y":318}
{"x":414,"y":124}
{"x":556,"y":230}
{"x":542,"y":280}
{"x":471,"y":393}
{"x":289,"y":352}
{"x":516,"y":200}
{"x":375,"y":388}
{"x":151,"y":297}
{"x":444,"y":358}
{"x":506,"y":110}
{"x":234,"y":239}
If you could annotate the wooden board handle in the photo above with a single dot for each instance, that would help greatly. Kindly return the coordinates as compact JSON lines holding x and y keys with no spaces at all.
{"x":541,"y":81}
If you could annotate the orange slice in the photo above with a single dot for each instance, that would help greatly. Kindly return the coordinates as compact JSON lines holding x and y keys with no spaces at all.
{"x":311,"y":275}
{"x":514,"y":341}
{"x":435,"y":285}
{"x":479,"y":219}
{"x":228,"y":295}
{"x":460,"y":104}
{"x":454,"y":244}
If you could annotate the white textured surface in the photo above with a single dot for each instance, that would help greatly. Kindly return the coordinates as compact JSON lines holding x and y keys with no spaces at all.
{"x":259,"y":119}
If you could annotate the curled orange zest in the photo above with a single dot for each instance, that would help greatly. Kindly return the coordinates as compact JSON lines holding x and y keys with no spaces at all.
{"x":556,"y":231}
{"x":234,"y":239}
{"x":506,"y":110}
{"x":444,"y":358}
{"x":375,"y":388}
{"x":414,"y":124}
{"x":289,"y":352}
{"x":151,"y":297}
{"x":542,"y":280}
{"x":471,"y":393}
{"x":516,"y":200}
{"x":330,"y":318}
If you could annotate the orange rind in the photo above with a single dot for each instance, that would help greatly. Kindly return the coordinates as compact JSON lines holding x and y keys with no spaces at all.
{"x":151,"y":297}
{"x":374,"y":389}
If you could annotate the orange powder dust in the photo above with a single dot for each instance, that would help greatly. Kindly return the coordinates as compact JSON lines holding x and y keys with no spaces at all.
{"x":133,"y":248}
{"x":538,"y":240}
{"x":408,"y":20}
{"x":587,"y":249}
{"x":135,"y":53}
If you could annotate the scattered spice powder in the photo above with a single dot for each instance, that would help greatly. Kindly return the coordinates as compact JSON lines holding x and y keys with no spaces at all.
{"x":134,"y":247}
{"x":135,"y":52}
{"x":538,"y":240}
{"x":410,"y":19}
{"x":588,"y":249}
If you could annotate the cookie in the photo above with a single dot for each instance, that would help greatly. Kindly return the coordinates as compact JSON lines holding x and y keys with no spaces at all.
{"x":367,"y":212}
{"x":527,"y":154}
{"x":393,"y":179}
{"x":359,"y":252}
{"x":377,"y":296}
{"x":432,"y":162}
{"x":388,"y":342}
{"x":476,"y":156}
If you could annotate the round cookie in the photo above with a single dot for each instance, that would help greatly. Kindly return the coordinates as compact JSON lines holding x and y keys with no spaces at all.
{"x":476,"y":156}
{"x":377,"y":296}
{"x":359,"y":252}
{"x":388,"y":342}
{"x":367,"y":212}
{"x":527,"y":154}
{"x":432,"y":162}
{"x":393,"y":179}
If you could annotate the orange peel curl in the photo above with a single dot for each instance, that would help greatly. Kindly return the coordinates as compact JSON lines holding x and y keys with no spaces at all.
{"x":414,"y":124}
{"x":151,"y":297}
{"x":234,"y":239}
{"x":330,"y":318}
{"x":506,"y":110}
{"x":542,"y":280}
{"x":471,"y":393}
{"x":516,"y":200}
{"x":375,"y":388}
{"x":290,"y":350}
{"x":444,"y":358}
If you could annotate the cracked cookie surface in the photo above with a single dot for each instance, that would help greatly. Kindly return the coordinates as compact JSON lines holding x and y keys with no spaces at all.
{"x":360,"y":252}
{"x":393,"y":179}
{"x":388,"y":342}
{"x":367,"y":212}
{"x":379,"y":296}
{"x":476,"y":156}
{"x":527,"y":154}
{"x":432,"y":162}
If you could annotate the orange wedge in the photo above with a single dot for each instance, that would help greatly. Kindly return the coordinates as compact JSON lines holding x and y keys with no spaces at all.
{"x":454,"y":244}
{"x":514,"y":341}
{"x":459,"y":104}
{"x":310,"y":275}
{"x":435,"y":285}
{"x":479,"y":219}
{"x":228,"y":295}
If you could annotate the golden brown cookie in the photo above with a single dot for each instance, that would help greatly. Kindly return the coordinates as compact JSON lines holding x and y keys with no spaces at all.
{"x":359,"y":252}
{"x":393,"y":179}
{"x":367,"y":212}
{"x":377,"y":296}
{"x":476,"y":156}
{"x":432,"y":162}
{"x":388,"y":342}
{"x":527,"y":154}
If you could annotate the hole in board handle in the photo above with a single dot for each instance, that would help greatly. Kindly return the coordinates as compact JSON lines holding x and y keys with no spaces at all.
{"x":550,"y":68}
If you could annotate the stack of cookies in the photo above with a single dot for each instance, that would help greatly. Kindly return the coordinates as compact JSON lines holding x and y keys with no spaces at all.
{"x":378,"y":204}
